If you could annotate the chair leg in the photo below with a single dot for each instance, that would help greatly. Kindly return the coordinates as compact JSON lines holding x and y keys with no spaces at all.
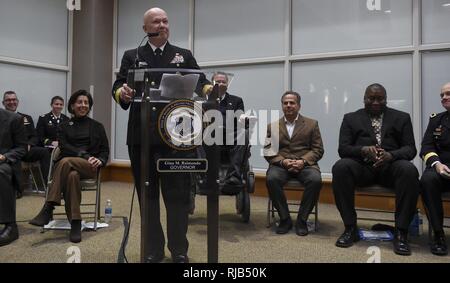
{"x":36,"y":188}
{"x":97,"y":207}
{"x":316,"y":217}
{"x":41,"y":177}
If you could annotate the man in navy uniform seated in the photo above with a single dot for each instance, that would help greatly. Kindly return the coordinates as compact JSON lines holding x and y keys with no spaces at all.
{"x":231,"y":107}
{"x":436,"y":177}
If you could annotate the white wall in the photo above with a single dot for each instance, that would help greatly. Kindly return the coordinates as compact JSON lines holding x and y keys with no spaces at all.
{"x":34,"y":52}
{"x":328,"y":50}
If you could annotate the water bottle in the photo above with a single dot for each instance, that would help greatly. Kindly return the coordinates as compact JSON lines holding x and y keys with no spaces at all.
{"x":415,"y":226}
{"x":419,"y":216}
{"x":108,"y":211}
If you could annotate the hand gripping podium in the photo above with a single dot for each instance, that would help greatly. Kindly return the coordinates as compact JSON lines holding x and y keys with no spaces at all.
{"x":171,"y":117}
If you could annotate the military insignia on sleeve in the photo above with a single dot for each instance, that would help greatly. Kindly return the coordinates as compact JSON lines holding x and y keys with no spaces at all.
{"x":437,"y":132}
{"x":70,"y":123}
{"x":433,"y":115}
{"x":177,"y":59}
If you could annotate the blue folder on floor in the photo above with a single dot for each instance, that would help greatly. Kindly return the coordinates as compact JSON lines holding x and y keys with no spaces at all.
{"x":370,"y":235}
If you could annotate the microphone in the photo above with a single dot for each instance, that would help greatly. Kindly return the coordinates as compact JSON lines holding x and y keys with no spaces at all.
{"x":150,"y":34}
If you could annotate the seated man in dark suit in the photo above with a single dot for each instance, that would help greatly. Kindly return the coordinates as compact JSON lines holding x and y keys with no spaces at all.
{"x":12,"y":148}
{"x":231,"y":107}
{"x":300,"y":148}
{"x":34,"y":152}
{"x":376,"y":145}
{"x":436,"y":177}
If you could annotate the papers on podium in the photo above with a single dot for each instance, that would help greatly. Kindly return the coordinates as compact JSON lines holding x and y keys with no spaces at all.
{"x":177,"y":86}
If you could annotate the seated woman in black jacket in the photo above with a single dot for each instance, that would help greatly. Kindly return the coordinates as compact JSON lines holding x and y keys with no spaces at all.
{"x":84,"y":149}
{"x":48,"y":125}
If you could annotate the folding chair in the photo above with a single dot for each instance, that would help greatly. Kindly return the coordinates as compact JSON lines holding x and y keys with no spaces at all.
{"x":86,"y":185}
{"x":296,"y":186}
{"x":28,"y":168}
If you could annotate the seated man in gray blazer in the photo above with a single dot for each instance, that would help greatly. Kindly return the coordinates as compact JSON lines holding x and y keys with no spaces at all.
{"x":300,"y":147}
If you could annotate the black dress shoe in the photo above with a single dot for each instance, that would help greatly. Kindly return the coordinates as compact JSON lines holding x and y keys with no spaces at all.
{"x":349,"y":237}
{"x":438,"y":246}
{"x":75,"y":231}
{"x":154,"y":258}
{"x":180,"y":259}
{"x":284,"y":226}
{"x":401,"y":246}
{"x":44,"y":216}
{"x":301,"y":228}
{"x":19,"y":194}
{"x":9,"y":234}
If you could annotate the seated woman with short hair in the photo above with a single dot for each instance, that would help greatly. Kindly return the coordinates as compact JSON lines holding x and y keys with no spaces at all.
{"x":48,"y":125}
{"x":84,"y":149}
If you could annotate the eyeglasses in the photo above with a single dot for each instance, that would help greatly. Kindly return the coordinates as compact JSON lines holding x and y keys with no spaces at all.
{"x":445,"y":93}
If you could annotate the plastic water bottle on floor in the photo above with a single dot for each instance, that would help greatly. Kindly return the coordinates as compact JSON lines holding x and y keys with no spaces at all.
{"x":419,"y":215}
{"x":416,"y":226}
{"x":108,"y":211}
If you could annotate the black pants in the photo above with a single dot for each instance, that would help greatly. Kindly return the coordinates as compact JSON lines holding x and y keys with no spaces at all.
{"x":175,"y":189}
{"x":277,"y":177}
{"x":7,"y":195}
{"x":401,"y":175}
{"x":433,"y":185}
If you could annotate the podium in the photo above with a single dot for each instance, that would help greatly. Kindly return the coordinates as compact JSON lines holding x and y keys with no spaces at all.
{"x":169,"y":117}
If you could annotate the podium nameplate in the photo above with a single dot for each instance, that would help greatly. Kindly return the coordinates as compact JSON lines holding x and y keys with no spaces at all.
{"x":183,"y":165}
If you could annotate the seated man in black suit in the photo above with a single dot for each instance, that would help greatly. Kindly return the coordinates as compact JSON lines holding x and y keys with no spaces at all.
{"x":34,"y":152}
{"x":376,"y":144}
{"x":436,"y":177}
{"x":231,"y":107}
{"x":12,"y":148}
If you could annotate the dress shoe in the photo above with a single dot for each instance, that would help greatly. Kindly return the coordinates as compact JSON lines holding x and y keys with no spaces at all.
{"x":9,"y":234}
{"x":180,"y":259}
{"x":438,"y":246}
{"x":44,"y":216}
{"x":284,"y":226}
{"x":154,"y":258}
{"x":301,"y":228}
{"x":75,"y":231}
{"x":349,"y":237}
{"x":401,"y":246}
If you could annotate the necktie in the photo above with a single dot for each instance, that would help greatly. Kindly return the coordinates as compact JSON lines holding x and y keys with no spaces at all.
{"x":158,"y":53}
{"x":376,"y":124}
